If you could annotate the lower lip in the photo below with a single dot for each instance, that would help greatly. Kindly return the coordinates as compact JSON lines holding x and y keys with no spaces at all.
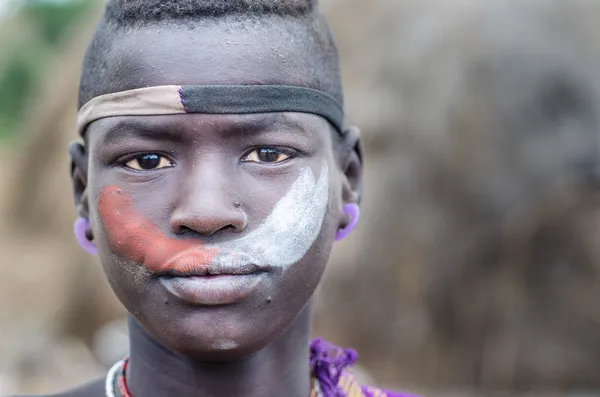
{"x":212,"y":290}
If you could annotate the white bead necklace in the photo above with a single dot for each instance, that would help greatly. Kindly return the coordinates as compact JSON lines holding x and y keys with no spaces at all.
{"x":109,"y":385}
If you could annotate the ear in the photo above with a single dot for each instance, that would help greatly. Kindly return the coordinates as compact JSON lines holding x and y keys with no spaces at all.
{"x":79,"y":177}
{"x":351,"y":162}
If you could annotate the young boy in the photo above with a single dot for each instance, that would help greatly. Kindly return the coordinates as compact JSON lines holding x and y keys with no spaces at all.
{"x":215,"y":176}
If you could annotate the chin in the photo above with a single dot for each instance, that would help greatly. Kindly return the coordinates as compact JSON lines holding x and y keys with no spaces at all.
{"x":214,"y":334}
{"x":221,"y":350}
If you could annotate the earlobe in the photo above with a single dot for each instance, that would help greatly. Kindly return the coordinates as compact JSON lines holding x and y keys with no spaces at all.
{"x":81,"y":228}
{"x":352,"y":211}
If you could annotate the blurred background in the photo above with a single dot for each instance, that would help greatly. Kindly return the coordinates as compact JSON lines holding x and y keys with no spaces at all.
{"x":476,"y":268}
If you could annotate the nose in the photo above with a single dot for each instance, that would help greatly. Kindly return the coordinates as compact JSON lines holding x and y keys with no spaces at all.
{"x":207,"y":206}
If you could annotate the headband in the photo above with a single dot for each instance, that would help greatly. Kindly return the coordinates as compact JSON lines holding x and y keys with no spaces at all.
{"x":212,"y":99}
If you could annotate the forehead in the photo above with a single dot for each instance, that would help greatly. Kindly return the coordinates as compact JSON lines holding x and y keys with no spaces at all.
{"x":235,"y":52}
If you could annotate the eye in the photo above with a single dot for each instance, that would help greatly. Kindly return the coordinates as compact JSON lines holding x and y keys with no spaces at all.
{"x":145,"y":162}
{"x":268,"y":155}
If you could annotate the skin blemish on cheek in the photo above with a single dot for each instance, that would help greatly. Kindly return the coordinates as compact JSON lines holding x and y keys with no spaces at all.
{"x":135,"y":237}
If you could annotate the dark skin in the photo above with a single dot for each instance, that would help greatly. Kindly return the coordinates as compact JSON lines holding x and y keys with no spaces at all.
{"x":259,"y":346}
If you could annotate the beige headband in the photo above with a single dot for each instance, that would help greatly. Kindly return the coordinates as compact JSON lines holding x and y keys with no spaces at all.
{"x":212,"y":99}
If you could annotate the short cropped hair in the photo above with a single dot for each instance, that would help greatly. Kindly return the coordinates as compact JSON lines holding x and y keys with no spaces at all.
{"x":123,"y":14}
{"x":140,"y":11}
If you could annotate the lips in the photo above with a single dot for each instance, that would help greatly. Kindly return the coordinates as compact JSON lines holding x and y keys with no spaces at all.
{"x":193,"y":263}
{"x":212,"y":290}
{"x":223,"y":282}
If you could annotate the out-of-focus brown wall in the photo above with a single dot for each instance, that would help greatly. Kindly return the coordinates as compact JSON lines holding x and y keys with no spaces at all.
{"x":476,"y":262}
{"x":475,"y":265}
{"x":48,"y":320}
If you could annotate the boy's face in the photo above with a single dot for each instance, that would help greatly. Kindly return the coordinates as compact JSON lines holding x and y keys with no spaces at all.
{"x":256,"y":198}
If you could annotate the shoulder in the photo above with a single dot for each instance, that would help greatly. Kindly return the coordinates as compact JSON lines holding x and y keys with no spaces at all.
{"x":92,"y":389}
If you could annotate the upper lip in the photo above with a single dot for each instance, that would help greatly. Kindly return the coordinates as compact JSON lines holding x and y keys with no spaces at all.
{"x":223,"y":264}
{"x":211,"y":270}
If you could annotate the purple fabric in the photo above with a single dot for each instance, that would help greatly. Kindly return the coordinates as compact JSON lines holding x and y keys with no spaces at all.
{"x":327,"y":364}
{"x":387,"y":393}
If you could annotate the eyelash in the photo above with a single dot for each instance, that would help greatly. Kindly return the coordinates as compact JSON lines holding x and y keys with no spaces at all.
{"x":290,"y":153}
{"x":127,"y":159}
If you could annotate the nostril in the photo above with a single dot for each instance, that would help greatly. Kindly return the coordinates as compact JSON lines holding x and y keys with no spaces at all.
{"x":184,"y":230}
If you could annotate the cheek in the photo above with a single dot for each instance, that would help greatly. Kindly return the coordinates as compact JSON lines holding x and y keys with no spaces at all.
{"x":293,"y":226}
{"x":131,"y":235}
{"x":314,"y":263}
{"x":123,"y":227}
{"x":303,"y":277}
{"x":299,"y":283}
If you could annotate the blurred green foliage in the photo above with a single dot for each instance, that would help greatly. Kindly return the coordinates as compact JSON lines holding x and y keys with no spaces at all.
{"x":53,"y":19}
{"x":29,"y":43}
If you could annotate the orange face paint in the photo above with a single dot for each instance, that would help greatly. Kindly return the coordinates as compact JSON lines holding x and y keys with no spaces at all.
{"x":132,"y":235}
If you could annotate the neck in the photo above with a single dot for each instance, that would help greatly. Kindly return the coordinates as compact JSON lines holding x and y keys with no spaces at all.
{"x":279,"y":369}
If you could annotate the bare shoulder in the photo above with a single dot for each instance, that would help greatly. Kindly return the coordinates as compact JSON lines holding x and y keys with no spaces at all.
{"x":92,"y":389}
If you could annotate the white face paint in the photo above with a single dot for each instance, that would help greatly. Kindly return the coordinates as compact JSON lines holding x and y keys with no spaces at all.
{"x":287,"y":234}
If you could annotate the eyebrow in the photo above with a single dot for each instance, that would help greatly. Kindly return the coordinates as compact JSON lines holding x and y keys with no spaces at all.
{"x":128,"y":128}
{"x":273,"y":122}
{"x":263,"y":123}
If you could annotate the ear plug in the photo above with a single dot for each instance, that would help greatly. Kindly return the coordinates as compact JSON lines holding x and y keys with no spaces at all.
{"x":81,"y":224}
{"x":353,"y":210}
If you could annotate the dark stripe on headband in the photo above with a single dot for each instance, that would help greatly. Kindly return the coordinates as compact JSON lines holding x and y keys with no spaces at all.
{"x":245,"y":99}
